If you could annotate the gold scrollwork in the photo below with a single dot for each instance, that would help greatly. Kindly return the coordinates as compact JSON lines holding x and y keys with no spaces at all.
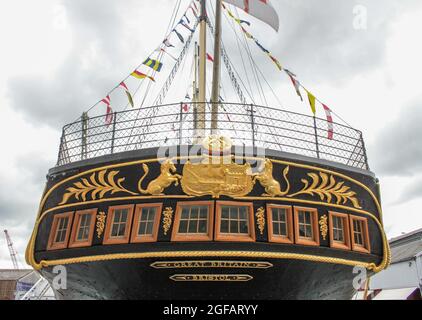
{"x":164,"y":180}
{"x":167,"y":219}
{"x":260,"y":218}
{"x":211,"y":277}
{"x":323,"y":226}
{"x":271,"y":185}
{"x":326,"y":187}
{"x":101,"y":218}
{"x":97,"y":186}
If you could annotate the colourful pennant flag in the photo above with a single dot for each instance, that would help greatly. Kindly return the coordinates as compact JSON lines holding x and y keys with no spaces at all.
{"x":312,"y":99}
{"x":277,"y":63}
{"x":185,"y":107}
{"x":295,"y":82}
{"x":167,"y":43}
{"x":210,"y":58}
{"x":126,"y":89}
{"x":261,"y":9}
{"x":239,"y":21}
{"x":329,"y":122}
{"x":183,"y":23}
{"x":153,"y":64}
{"x":140,"y":75}
{"x":109,"y":112}
{"x":248,"y":35}
{"x":179,"y":36}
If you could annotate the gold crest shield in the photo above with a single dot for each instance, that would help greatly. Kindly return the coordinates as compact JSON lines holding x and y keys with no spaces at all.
{"x":217,"y":179}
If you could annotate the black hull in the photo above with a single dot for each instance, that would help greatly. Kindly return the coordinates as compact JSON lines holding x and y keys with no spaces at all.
{"x":126,"y":271}
{"x":136,"y":280}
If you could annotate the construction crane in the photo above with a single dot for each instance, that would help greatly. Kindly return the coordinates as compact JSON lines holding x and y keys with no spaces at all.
{"x":12,"y":251}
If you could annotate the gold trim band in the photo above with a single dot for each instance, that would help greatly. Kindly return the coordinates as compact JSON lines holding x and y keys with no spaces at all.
{"x":196,"y":254}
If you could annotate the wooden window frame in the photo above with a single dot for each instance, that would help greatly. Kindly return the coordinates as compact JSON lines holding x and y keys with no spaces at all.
{"x":52,"y":245}
{"x":289,"y":220}
{"x":110,"y":217}
{"x":179,"y":237}
{"x":135,"y":238}
{"x":365,"y":233}
{"x":346,"y":232}
{"x":315,"y":228}
{"x":218,"y":236}
{"x":74,"y":243}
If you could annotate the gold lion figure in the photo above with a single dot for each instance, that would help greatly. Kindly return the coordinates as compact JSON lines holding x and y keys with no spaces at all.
{"x":271,"y":185}
{"x":164,"y":180}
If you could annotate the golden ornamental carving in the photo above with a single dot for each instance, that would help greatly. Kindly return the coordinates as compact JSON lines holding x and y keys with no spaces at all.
{"x":269,"y":183}
{"x":260,"y":218}
{"x":101,"y":218}
{"x":217,"y":176}
{"x":327,"y":188}
{"x":164,"y":180}
{"x":323,"y":226}
{"x":167,"y":219}
{"x":97,"y":186}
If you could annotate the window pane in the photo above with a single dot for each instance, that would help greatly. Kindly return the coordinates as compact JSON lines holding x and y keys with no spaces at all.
{"x":283,"y":229}
{"x":244,"y":227}
{"x":183,"y":226}
{"x":224,"y":226}
{"x":204,"y":213}
{"x":276,"y":228}
{"x":185,"y":213}
{"x":243,"y":213}
{"x":194,"y":213}
{"x":225,"y":212}
{"x":114,"y":230}
{"x":202,"y":226}
{"x":234,"y":226}
{"x":233,"y":213}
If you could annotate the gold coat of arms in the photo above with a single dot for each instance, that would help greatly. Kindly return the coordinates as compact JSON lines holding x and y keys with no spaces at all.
{"x":217,"y":179}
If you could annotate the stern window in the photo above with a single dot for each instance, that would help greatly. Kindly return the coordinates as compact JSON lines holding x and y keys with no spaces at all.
{"x":60,"y":231}
{"x":306,"y":225}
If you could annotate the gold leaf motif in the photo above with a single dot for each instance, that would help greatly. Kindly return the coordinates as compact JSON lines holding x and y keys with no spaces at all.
{"x":97,"y":186}
{"x":101,"y":218}
{"x":167,"y":219}
{"x":260,"y":216}
{"x":327,"y":188}
{"x":323,"y":226}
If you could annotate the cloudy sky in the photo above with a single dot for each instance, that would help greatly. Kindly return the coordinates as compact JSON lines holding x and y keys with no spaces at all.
{"x":58,"y":57}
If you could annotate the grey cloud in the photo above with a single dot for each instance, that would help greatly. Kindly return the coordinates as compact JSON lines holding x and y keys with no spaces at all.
{"x":397,"y":151}
{"x":63,"y":95}
{"x":316,"y":40}
{"x":411,"y":192}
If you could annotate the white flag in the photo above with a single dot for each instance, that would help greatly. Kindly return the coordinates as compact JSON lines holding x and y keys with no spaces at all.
{"x":261,"y":9}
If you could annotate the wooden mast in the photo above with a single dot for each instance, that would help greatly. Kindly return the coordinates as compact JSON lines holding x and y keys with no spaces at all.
{"x":200,"y":134}
{"x":215,"y":98}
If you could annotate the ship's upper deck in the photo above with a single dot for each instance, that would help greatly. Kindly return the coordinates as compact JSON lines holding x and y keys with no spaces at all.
{"x":246,"y":125}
